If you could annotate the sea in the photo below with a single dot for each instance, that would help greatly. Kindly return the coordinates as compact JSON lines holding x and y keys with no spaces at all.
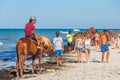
{"x":9,"y":38}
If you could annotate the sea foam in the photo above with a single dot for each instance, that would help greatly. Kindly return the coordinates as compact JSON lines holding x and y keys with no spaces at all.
{"x":1,"y":43}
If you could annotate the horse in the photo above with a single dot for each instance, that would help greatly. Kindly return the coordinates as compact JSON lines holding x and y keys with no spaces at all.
{"x":25,"y":47}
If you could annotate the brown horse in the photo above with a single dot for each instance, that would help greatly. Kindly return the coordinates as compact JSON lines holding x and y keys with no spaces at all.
{"x":25,"y":47}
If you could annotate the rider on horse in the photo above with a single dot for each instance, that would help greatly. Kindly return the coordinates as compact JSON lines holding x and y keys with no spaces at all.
{"x":30,"y":31}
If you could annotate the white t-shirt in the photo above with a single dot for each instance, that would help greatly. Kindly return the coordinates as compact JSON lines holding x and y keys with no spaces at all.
{"x":87,"y":42}
{"x":57,"y":41}
{"x":79,"y":43}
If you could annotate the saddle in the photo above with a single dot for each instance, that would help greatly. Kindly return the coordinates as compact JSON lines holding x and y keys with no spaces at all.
{"x":33,"y":40}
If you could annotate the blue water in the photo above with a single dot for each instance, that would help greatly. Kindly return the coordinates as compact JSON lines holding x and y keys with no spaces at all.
{"x":9,"y":37}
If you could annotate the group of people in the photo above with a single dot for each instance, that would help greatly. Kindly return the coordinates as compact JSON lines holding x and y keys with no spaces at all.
{"x":82,"y":42}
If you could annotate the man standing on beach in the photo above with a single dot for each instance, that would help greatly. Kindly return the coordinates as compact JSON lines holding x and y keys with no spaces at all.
{"x":69,"y":40}
{"x":104,"y":47}
{"x":58,"y":48}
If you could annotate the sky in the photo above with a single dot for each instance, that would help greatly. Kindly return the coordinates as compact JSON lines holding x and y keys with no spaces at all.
{"x":81,"y":14}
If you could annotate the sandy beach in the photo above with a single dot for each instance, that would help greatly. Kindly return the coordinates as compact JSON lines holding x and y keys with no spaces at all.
{"x":71,"y":69}
{"x":94,"y":70}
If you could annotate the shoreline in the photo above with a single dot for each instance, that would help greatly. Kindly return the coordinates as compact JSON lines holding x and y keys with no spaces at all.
{"x":71,"y":66}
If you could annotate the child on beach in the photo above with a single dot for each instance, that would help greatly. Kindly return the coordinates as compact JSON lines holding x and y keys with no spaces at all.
{"x":104,"y":47}
{"x":58,"y":48}
{"x":87,"y":47}
{"x":79,"y":46}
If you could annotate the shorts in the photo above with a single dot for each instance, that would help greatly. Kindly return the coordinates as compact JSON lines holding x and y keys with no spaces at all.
{"x":104,"y":47}
{"x":87,"y":47}
{"x":78,"y":48}
{"x":59,"y":52}
{"x":69,"y":44}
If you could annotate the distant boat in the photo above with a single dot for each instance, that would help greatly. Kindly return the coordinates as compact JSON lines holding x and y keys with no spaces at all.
{"x":76,"y":30}
{"x":63,"y":32}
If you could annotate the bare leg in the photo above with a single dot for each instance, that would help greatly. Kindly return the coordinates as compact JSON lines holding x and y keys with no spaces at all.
{"x":107,"y":56}
{"x":99,"y":44}
{"x":69,"y":49}
{"x":60,"y":59}
{"x":33,"y":64}
{"x":57,"y":60}
{"x":79,"y":55}
{"x":96,"y":45}
{"x":86,"y":55}
{"x":103,"y":57}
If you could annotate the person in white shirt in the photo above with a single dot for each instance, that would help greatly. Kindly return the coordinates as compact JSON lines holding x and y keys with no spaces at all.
{"x":78,"y":47}
{"x":58,"y":48}
{"x":87,"y":47}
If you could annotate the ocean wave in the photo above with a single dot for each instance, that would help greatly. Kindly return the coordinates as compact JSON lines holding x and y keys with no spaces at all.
{"x":8,"y":55}
{"x":1,"y":43}
{"x":76,"y":30}
{"x":63,"y":32}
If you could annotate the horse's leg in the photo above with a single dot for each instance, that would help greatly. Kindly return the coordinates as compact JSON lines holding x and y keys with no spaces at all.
{"x":17,"y":67}
{"x":33,"y":64}
{"x":20,"y":65}
{"x":39,"y":60}
{"x":23,"y":58}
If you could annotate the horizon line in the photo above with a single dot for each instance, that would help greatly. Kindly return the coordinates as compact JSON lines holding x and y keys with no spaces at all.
{"x":61,"y":28}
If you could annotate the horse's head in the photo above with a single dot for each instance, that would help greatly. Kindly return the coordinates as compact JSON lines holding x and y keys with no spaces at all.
{"x":45,"y":43}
